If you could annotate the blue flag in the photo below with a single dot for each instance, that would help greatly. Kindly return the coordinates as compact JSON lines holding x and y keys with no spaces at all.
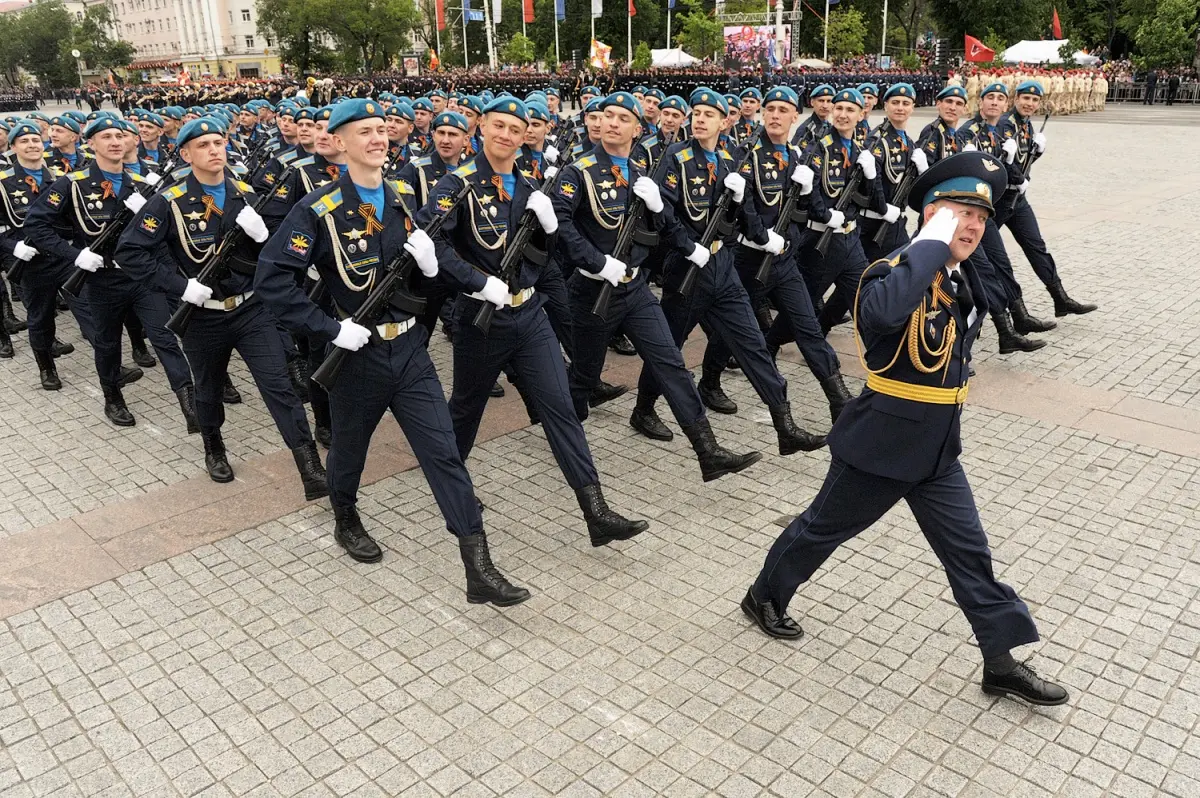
{"x":560,"y":10}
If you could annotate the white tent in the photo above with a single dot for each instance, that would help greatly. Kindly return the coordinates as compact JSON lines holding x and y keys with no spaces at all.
{"x":811,"y":63}
{"x":1043,"y":52}
{"x":675,"y":57}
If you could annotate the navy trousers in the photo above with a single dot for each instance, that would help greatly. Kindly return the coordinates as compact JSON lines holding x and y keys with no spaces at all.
{"x":523,"y":338}
{"x":398,"y":375}
{"x":851,"y":500}
{"x":1024,"y":226}
{"x":213,"y":336}
{"x":40,"y":284}
{"x":111,"y":296}
{"x":841,"y":266}
{"x":720,"y":305}
{"x":634,"y":311}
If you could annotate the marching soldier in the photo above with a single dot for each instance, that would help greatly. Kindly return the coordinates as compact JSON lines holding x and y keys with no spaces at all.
{"x":350,"y":230}
{"x":471,"y":246}
{"x":862,"y":132}
{"x":65,"y":155}
{"x":190,"y":221}
{"x":894,"y":152}
{"x":751,"y":101}
{"x":817,"y":124}
{"x":900,"y":438}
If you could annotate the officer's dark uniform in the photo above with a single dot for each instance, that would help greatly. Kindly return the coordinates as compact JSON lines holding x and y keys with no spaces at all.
{"x":900,"y":440}
{"x":190,"y":224}
{"x":814,"y":127}
{"x":69,"y":216}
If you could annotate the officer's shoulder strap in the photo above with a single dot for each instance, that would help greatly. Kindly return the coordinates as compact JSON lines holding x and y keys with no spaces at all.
{"x":402,"y":187}
{"x":881,"y":267}
{"x":725,"y":154}
{"x":301,"y":162}
{"x":649,"y":141}
{"x":176,"y":191}
{"x":466,"y":170}
{"x":7,"y":173}
{"x":136,"y":177}
{"x":684,"y":155}
{"x":423,"y":161}
{"x":327,"y":202}
{"x":827,"y":140}
{"x":243,"y":187}
{"x":77,"y":175}
{"x":287,"y":157}
{"x":585,"y":162}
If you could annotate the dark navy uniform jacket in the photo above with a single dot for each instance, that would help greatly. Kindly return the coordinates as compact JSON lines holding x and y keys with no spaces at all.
{"x":810,"y":130}
{"x":988,"y":138}
{"x":768,"y":180}
{"x":688,"y":189}
{"x":834,"y":162}
{"x":939,"y":141}
{"x":422,"y":174}
{"x":899,"y":438}
{"x":179,"y":222}
{"x":1014,"y":126}
{"x":18,"y":191}
{"x":329,"y":229}
{"x":892,"y":149}
{"x":61,"y":163}
{"x":473,"y":240}
{"x":307,"y":174}
{"x":269,"y":173}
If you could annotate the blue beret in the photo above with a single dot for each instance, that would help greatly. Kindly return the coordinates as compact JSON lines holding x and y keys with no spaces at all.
{"x":353,"y":111}
{"x":972,"y":178}
{"x":592,"y":105}
{"x":4,"y":123}
{"x":472,"y":103}
{"x":589,"y":90}
{"x":734,"y":102}
{"x":99,"y":124}
{"x":437,"y":93}
{"x":172,"y":112}
{"x":850,"y":96}
{"x":78,"y":116}
{"x":552,"y":92}
{"x":868,"y":88}
{"x":39,"y":116}
{"x":305,"y":114}
{"x":153,"y":119}
{"x":751,"y":92}
{"x":67,"y":122}
{"x":706,"y":96}
{"x":422,"y":104}
{"x":249,"y":108}
{"x":536,"y":96}
{"x":623,"y":99}
{"x":953,"y":91}
{"x":195,"y":109}
{"x":823,"y":90}
{"x":656,"y":94}
{"x":900,"y":90}
{"x":991,"y":87}
{"x":486,"y":95}
{"x":640,"y":89}
{"x":323,"y":113}
{"x":288,"y":110}
{"x":538,"y":110}
{"x":25,"y":127}
{"x":785,"y":94}
{"x":451,"y":119}
{"x":1030,"y":87}
{"x":676,"y":102}
{"x":402,"y":110}
{"x":203,"y":126}
{"x":128,"y":126}
{"x":508,"y":105}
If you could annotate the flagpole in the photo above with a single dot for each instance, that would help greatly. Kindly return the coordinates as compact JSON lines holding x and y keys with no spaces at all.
{"x":466,"y":58}
{"x":629,"y":41}
{"x":557,"y":55}
{"x":883,"y":39}
{"x":487,"y":28}
{"x":825,"y":51}
{"x":668,"y":27}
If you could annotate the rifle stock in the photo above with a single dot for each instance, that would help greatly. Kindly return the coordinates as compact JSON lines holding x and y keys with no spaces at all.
{"x":844,"y":200}
{"x":899,"y":199}
{"x":786,"y":212}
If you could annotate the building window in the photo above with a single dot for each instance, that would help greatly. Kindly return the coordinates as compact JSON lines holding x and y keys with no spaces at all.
{"x":249,"y":41}
{"x":245,"y":15}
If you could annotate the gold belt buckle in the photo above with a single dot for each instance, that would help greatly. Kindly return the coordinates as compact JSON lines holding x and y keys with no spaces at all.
{"x":715,"y":247}
{"x":230,"y":302}
{"x":391,"y":331}
{"x":518,"y":299}
{"x":960,"y":396}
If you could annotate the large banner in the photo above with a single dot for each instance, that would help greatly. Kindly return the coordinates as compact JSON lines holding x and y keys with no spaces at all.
{"x":752,"y":45}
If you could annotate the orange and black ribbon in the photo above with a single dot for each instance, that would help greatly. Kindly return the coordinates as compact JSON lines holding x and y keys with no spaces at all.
{"x":33,"y":184}
{"x":367,"y":211}
{"x":845,"y":158}
{"x":108,"y":189}
{"x":501,"y":194}
{"x":779,"y":159}
{"x":712,"y":173}
{"x":210,"y":207}
{"x":537,"y":169}
{"x":620,"y":176}
{"x":333,"y":172}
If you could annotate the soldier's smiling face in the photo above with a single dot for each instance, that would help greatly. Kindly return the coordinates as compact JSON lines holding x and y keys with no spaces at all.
{"x":845,"y":116}
{"x":899,"y":109}
{"x":28,"y":148}
{"x":306,"y":132}
{"x":502,"y":135}
{"x":670,"y":120}
{"x":364,"y":141}
{"x":950,"y":109}
{"x":779,"y":117}
{"x":1028,"y":104}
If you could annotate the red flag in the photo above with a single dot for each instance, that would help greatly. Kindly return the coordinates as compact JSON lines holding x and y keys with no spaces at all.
{"x":528,"y":9}
{"x":441,"y":14}
{"x":1056,"y":26}
{"x":977,"y":51}
{"x":632,"y":10}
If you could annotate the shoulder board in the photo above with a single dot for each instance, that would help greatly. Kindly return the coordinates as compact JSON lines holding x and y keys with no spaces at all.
{"x":401,"y":187}
{"x":7,"y":173}
{"x":137,"y":178}
{"x":827,"y":140}
{"x":288,"y":156}
{"x":725,"y":154}
{"x":243,"y":187}
{"x":423,"y":161}
{"x":880,"y":267}
{"x":309,"y":161}
{"x":466,"y":170}
{"x":78,"y":174}
{"x":327,"y":202}
{"x":649,"y":141}
{"x":176,"y":191}
{"x":586,"y":161}
{"x":238,"y":169}
{"x":684,"y":155}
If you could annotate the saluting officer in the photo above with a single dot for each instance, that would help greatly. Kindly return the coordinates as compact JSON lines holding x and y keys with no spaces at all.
{"x":900,"y":438}
{"x":590,"y":204}
{"x":698,"y":172}
{"x":471,"y":245}
{"x":190,"y":221}
{"x":770,"y":169}
{"x":351,"y":230}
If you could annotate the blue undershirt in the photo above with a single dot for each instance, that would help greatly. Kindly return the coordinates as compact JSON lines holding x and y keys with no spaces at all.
{"x":622,"y":164}
{"x":510,"y":183}
{"x":152,"y":155}
{"x":373,"y":196}
{"x":217,"y":193}
{"x":134,"y":166}
{"x":711,"y":157}
{"x":114,"y":179}
{"x":342,"y":167}
{"x":784,"y":149}
{"x":36,"y":174}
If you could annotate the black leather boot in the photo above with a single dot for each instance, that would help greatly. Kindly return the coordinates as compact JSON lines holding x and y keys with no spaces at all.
{"x":714,"y":397}
{"x":297,"y":369}
{"x":605,"y":525}
{"x":792,"y":438}
{"x":115,"y":409}
{"x":1024,"y":322}
{"x":604,"y":392}
{"x":715,"y":460}
{"x":770,"y":619}
{"x":837,"y":394}
{"x":6,"y":347}
{"x":129,"y":376}
{"x":187,"y":404}
{"x":485,"y":583}
{"x":621,"y":345}
{"x":323,"y":435}
{"x":1063,"y":304}
{"x":349,"y":533}
{"x":215,"y":461}
{"x":141,"y":355}
{"x":1024,"y":683}
{"x":47,"y":371}
{"x":59,"y":349}
{"x":1009,"y":339}
{"x":497,"y":390}
{"x":312,"y":473}
{"x":11,"y":323}
{"x":647,"y":422}
{"x":229,"y":393}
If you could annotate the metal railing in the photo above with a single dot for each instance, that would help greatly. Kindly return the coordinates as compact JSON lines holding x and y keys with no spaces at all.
{"x":1188,"y":93}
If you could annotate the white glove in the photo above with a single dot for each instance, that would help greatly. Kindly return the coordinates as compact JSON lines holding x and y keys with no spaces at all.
{"x":539,"y":203}
{"x":1010,"y":150}
{"x":647,"y":189}
{"x":88,"y":261}
{"x":891,"y":214}
{"x":352,"y":336}
{"x":23,"y":251}
{"x":699,"y":256}
{"x":737,"y":184}
{"x":969,"y":147}
{"x":135,"y":202}
{"x":153,"y":178}
{"x":613,"y":269}
{"x":249,"y":220}
{"x":196,"y":293}
{"x":1039,"y":142}
{"x":920,"y":160}
{"x":550,"y":172}
{"x":867,"y":161}
{"x":803,"y":174}
{"x":1024,"y":186}
{"x":775,"y":243}
{"x":496,"y":292}
{"x":836,"y":219}
{"x":421,"y":247}
{"x":550,"y":154}
{"x":941,"y":227}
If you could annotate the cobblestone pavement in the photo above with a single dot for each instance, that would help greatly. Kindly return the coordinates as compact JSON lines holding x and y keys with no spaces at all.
{"x":265,"y":663}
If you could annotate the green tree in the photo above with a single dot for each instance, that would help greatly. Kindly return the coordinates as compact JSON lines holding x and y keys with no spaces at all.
{"x":642,"y":58}
{"x":90,"y":36}
{"x":1166,"y":39}
{"x":847,"y":33}
{"x":1012,"y":20}
{"x":518,"y":50}
{"x":295,"y":26}
{"x":13,"y":53}
{"x":373,"y":31}
{"x":699,"y":34}
{"x":44,"y":33}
